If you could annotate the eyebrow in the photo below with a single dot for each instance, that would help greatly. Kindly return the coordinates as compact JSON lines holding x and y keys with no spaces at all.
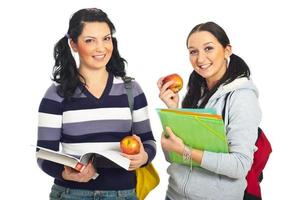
{"x":109,"y":34}
{"x":208,"y":43}
{"x":203,"y":44}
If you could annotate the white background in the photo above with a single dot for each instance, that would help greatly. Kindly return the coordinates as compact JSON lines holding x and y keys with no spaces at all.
{"x":151,"y":36}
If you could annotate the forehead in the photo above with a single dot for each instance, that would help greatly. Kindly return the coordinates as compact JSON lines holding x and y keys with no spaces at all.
{"x":201,"y":38}
{"x":95,"y":29}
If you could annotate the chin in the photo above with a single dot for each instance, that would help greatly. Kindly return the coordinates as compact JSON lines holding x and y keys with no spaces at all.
{"x":203,"y":74}
{"x":98,"y":66}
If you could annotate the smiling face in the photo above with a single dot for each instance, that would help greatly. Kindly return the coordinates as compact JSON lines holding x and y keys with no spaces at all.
{"x":207,"y":56}
{"x":94,"y":45}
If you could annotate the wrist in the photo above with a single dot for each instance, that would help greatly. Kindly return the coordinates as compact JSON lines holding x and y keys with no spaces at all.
{"x":145,"y":157}
{"x":187,"y":154}
{"x":180,"y":149}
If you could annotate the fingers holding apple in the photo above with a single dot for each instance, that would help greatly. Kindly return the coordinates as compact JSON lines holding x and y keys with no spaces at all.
{"x":176,"y":82}
{"x":166,"y":87}
{"x":162,"y":85}
{"x":160,"y":82}
{"x":169,"y":87}
{"x":132,"y":148}
{"x":130,"y":145}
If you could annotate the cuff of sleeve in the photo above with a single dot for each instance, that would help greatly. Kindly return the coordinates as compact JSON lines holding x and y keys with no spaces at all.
{"x":151,"y":152}
{"x":53,"y":169}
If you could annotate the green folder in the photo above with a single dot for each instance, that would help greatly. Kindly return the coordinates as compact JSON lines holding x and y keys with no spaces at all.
{"x":199,"y":128}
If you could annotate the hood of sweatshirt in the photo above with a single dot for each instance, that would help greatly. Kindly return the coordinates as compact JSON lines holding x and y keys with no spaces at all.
{"x":237,"y":84}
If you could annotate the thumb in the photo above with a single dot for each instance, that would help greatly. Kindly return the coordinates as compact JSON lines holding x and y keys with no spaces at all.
{"x":159,"y":82}
{"x":139,"y":140}
{"x":169,"y":132}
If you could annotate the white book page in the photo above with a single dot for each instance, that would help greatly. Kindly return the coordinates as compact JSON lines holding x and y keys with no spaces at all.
{"x":57,"y":157}
{"x":110,"y":150}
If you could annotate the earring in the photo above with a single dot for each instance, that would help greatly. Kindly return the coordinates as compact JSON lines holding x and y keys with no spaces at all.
{"x":227,"y":61}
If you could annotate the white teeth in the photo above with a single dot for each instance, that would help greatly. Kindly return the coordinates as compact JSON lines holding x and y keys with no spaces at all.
{"x":99,"y":56}
{"x":204,"y":66}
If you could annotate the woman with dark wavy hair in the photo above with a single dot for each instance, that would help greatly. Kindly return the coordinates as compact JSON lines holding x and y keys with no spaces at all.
{"x":88,"y":106}
{"x":220,"y":80}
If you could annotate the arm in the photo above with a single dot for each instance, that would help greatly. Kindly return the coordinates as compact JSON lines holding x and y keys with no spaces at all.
{"x":49,"y":130}
{"x":49,"y":134}
{"x":244,"y":118}
{"x":142,"y":129}
{"x":242,"y":133}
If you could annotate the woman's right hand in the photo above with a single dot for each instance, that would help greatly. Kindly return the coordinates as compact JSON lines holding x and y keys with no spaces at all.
{"x":72,"y":175}
{"x":170,"y":98}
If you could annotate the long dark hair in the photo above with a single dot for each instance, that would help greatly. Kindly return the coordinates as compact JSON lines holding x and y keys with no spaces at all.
{"x":65,"y":71}
{"x":197,"y":85}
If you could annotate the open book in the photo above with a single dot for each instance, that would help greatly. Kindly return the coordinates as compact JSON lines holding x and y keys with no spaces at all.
{"x":198,"y":128}
{"x":71,"y":159}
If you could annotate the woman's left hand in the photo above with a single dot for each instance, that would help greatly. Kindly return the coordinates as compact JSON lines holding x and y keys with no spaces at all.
{"x":171,"y":143}
{"x":137,"y":160}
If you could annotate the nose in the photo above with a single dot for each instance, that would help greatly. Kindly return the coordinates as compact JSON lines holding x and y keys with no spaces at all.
{"x":201,"y":58}
{"x":100,"y":46}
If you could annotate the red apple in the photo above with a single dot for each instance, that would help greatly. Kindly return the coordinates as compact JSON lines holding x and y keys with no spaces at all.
{"x":178,"y":82}
{"x":130,"y":145}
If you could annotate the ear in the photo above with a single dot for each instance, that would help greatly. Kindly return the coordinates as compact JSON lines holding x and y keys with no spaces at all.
{"x":228,"y":51}
{"x":73,"y":45}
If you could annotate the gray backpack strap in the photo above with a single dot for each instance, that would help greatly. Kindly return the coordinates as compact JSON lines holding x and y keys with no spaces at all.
{"x":128,"y":86}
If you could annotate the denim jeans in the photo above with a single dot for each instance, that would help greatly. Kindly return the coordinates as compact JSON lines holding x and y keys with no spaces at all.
{"x":62,"y":193}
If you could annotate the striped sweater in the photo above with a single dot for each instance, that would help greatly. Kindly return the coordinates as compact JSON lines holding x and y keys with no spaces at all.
{"x":85,"y":120}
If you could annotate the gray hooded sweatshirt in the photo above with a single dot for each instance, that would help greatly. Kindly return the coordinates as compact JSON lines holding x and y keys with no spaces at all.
{"x":222,"y":175}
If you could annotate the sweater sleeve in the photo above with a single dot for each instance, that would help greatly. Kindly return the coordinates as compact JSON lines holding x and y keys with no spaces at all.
{"x":141,"y":123}
{"x":244,"y":117}
{"x":49,"y":129}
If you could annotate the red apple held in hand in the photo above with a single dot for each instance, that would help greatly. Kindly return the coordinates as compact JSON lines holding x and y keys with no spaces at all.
{"x":178,"y":82}
{"x":130,"y":145}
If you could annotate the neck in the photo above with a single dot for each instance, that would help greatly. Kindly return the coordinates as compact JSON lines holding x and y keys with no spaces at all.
{"x":211,"y":83}
{"x":94,"y":76}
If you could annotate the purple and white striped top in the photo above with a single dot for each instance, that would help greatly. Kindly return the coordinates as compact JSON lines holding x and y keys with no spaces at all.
{"x":85,"y":120}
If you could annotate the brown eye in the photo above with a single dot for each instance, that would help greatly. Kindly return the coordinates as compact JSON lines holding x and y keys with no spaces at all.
{"x":208,"y":48}
{"x":107,"y":38}
{"x":90,"y":40}
{"x":192,"y":52}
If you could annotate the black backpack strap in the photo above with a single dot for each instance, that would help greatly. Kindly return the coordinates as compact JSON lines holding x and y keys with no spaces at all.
{"x":128,"y":86}
{"x":224,"y":107}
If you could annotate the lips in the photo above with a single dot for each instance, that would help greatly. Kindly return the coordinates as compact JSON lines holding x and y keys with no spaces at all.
{"x":99,"y":57}
{"x":204,"y":66}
